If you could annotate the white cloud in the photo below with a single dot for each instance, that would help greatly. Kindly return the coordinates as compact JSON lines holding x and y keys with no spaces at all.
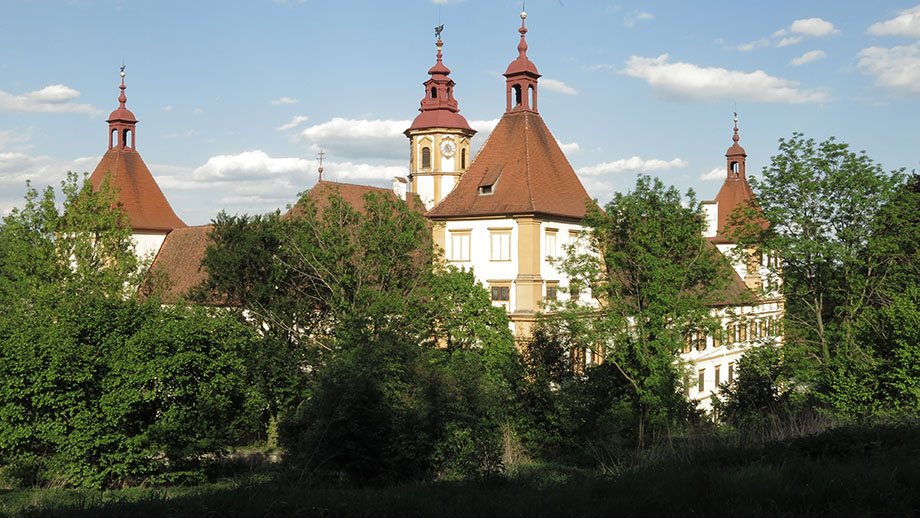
{"x":602,"y":66}
{"x":907,"y":23}
{"x":483,"y":128}
{"x":17,"y":167}
{"x":15,"y":136}
{"x":636,"y":16}
{"x":50,"y":99}
{"x":296,"y":121}
{"x":571,"y":147}
{"x":813,"y":27}
{"x":791,"y":40}
{"x":762,"y":42}
{"x":806,"y":27}
{"x":250,"y":164}
{"x":896,"y":69}
{"x":358,"y":138}
{"x":167,"y":108}
{"x":555,"y":85}
{"x":686,"y":81}
{"x":716,"y":174}
{"x":632,"y":164}
{"x":284,"y":100}
{"x":808,"y":57}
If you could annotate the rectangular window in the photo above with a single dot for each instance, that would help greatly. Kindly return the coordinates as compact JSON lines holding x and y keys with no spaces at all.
{"x":574,"y":292}
{"x":549,"y":243}
{"x":501,"y":293}
{"x":460,"y":245}
{"x":551,"y":291}
{"x":716,"y":375}
{"x":731,"y":371}
{"x":717,"y":338}
{"x":701,"y":381}
{"x":501,"y":245}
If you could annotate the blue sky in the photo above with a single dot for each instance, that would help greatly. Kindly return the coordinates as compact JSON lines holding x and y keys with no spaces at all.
{"x":235,"y":98}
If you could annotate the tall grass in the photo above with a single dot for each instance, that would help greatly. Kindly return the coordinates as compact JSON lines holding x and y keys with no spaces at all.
{"x":845,"y":471}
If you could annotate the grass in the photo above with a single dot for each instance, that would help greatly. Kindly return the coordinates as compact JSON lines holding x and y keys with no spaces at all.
{"x":842,"y":472}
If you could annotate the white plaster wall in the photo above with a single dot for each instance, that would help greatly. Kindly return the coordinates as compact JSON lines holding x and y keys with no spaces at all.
{"x":425,"y":189}
{"x":711,"y":215}
{"x":726,"y":352}
{"x":550,"y":270}
{"x":447,"y":164}
{"x":447,"y":185}
{"x":147,"y":244}
{"x":480,"y":251}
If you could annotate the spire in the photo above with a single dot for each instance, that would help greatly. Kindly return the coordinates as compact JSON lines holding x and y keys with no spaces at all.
{"x":439,"y":107}
{"x":122,"y":123}
{"x":735,"y":156}
{"x":521,"y":77}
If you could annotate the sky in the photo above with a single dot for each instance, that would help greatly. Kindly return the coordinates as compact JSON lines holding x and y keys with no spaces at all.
{"x":236,"y":98}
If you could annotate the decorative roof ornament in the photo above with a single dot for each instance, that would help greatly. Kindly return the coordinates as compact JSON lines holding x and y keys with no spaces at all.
{"x":439,"y":107}
{"x":320,"y":156}
{"x":735,"y":137}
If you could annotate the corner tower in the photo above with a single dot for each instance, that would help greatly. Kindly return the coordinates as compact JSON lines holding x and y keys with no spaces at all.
{"x":143,"y":202}
{"x":439,"y":138}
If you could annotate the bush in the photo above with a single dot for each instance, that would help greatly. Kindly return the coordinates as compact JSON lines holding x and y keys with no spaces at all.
{"x":388,"y":411}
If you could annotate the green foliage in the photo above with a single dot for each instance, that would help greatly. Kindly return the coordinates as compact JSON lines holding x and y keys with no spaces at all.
{"x":847,"y":232}
{"x":885,"y":381}
{"x":325,"y":277}
{"x":98,"y":388}
{"x":821,"y":200}
{"x":656,"y":279}
{"x":388,"y":411}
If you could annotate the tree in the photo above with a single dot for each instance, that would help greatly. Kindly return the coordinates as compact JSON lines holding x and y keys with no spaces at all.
{"x":656,"y":279}
{"x":821,"y":201}
{"x":98,"y":388}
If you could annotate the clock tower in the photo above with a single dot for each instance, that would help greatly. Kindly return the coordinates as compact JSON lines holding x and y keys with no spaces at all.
{"x":439,"y":138}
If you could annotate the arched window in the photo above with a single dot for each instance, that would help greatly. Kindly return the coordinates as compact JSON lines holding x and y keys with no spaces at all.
{"x":531,"y":98}
{"x":434,"y":93}
{"x":463,"y":159}
{"x":124,"y":138}
{"x":517,"y":95}
{"x":735,"y":168}
{"x":426,"y":158}
{"x":113,"y":138}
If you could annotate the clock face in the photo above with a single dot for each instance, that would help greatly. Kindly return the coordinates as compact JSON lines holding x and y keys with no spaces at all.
{"x":448,"y":148}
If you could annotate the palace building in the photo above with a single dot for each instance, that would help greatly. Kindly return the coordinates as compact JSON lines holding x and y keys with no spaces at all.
{"x":506,"y":213}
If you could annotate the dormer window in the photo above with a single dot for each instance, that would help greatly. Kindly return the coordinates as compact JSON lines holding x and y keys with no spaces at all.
{"x":489,"y":181}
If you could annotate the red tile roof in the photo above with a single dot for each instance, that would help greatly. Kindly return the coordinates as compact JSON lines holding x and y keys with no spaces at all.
{"x":352,"y":194}
{"x":527,"y":171}
{"x":178,"y":263}
{"x":141,"y":197}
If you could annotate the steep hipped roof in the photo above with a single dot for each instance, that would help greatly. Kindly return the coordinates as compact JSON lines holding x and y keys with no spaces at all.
{"x":519,"y":170}
{"x":178,"y":262}
{"x":735,"y":191}
{"x":352,"y":194}
{"x":139,"y":194}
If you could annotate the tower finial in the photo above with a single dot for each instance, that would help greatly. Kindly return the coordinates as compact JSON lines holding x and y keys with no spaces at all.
{"x":735,"y":137}
{"x":122,"y":99}
{"x":321,"y":155}
{"x":522,"y":46}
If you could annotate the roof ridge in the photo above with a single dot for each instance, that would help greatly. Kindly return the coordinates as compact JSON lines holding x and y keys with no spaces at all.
{"x":527,"y":159}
